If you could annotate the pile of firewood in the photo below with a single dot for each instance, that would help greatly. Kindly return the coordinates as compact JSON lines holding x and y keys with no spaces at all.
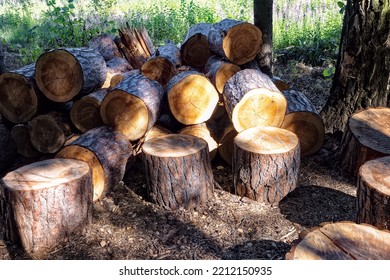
{"x":100,"y":105}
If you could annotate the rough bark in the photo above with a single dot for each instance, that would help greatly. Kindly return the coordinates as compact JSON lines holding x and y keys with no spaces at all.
{"x":263,"y":16}
{"x":343,"y":241}
{"x":44,"y":202}
{"x":85,"y":112}
{"x":163,"y":64}
{"x":303,"y":119}
{"x":63,"y":74}
{"x":266,"y":163}
{"x":19,"y":94}
{"x":119,"y":77}
{"x":252,"y":99}
{"x":366,"y":137}
{"x":192,"y":98}
{"x":106,"y":151}
{"x":133,"y":106}
{"x":106,"y":46}
{"x":231,"y":39}
{"x":195,"y":47}
{"x":373,"y":193}
{"x":363,"y":67}
{"x":49,"y":132}
{"x":115,"y":66}
{"x":218,"y":70}
{"x":178,"y":171}
{"x":21,"y":135}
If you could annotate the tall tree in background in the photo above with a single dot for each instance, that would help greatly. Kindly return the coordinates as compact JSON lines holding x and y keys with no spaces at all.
{"x":362,"y":77}
{"x":2,"y":65}
{"x":263,"y":10}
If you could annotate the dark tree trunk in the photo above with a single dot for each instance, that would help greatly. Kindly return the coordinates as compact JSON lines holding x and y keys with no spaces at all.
{"x":363,"y":67}
{"x":263,"y":11}
{"x":2,"y":64}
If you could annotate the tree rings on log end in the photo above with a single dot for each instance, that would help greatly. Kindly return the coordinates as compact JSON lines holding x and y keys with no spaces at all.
{"x":266,"y":163}
{"x":18,"y":98}
{"x":178,"y":171}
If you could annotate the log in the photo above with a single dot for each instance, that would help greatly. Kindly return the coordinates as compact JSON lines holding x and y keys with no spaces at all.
{"x":7,"y":148}
{"x":192,"y":98}
{"x":115,"y":66}
{"x":343,"y":241}
{"x":19,"y":94}
{"x":133,"y":106}
{"x":135,"y":45}
{"x":163,"y":64}
{"x":219,"y":71}
{"x":44,"y":202}
{"x":266,"y":163}
{"x":20,"y":133}
{"x":49,"y":132}
{"x":63,"y":74}
{"x":207,"y":132}
{"x":238,"y":41}
{"x":280,"y":84}
{"x":119,"y":77}
{"x":366,"y":137}
{"x":304,"y":120}
{"x":106,"y":151}
{"x":251,"y":99}
{"x":226,"y":144}
{"x":373,"y":193}
{"x":156,"y":131}
{"x":85,"y":112}
{"x":195,"y":47}
{"x":106,"y":46}
{"x":178,"y":171}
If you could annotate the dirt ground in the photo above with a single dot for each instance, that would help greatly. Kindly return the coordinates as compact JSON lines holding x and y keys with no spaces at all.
{"x":128,"y":226}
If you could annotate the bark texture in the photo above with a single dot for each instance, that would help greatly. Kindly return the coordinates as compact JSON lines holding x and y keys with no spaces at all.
{"x":266,"y":163}
{"x":363,"y":67}
{"x":373,"y":193}
{"x":178,"y":171}
{"x":343,"y":241}
{"x":44,"y":202}
{"x":106,"y":46}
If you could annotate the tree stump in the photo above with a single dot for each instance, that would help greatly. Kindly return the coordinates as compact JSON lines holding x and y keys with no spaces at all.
{"x":49,"y":132}
{"x":373,"y":193}
{"x":85,"y":112}
{"x":238,"y":41}
{"x":133,"y":106}
{"x":106,"y":151}
{"x":207,"y":132}
{"x":192,"y":98}
{"x":343,"y":241}
{"x":219,"y":71}
{"x":163,"y":64}
{"x":195,"y":47}
{"x":366,"y":137}
{"x":19,"y":94}
{"x":303,"y":119}
{"x":266,"y":163}
{"x":21,"y":135}
{"x":178,"y":171}
{"x":62,"y":74}
{"x":44,"y":202}
{"x":251,"y":99}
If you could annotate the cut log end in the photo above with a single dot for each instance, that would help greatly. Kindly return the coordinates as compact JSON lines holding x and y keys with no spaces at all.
{"x":18,"y":98}
{"x":159,"y":69}
{"x":259,"y":107}
{"x":193,"y":99}
{"x":60,"y":76}
{"x":224,"y":73}
{"x":242,"y":43}
{"x":309,"y":128}
{"x":195,"y":51}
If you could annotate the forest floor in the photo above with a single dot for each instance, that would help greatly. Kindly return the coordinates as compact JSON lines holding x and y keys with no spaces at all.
{"x":127,"y":226}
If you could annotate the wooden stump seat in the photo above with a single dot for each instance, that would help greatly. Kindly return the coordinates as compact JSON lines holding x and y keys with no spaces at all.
{"x":343,"y":241}
{"x":266,"y":163}
{"x":178,"y":171}
{"x":43,"y":202}
{"x":366,"y":137}
{"x":373,"y":193}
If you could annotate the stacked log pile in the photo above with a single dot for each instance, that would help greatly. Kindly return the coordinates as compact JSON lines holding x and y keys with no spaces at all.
{"x":122,"y":96}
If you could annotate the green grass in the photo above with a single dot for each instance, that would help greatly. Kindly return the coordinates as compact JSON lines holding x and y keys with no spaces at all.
{"x":311,"y":27}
